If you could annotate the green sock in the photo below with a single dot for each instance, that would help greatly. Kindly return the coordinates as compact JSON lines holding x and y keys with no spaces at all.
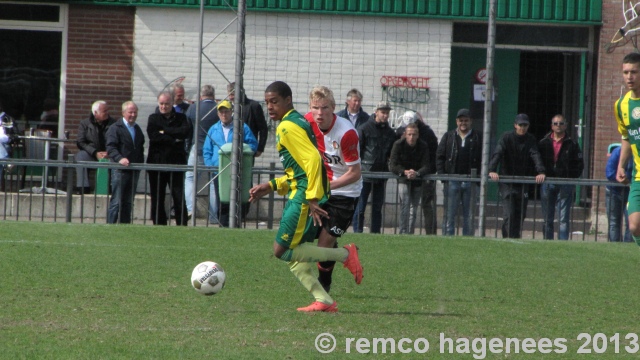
{"x":304,"y":272}
{"x":307,"y":252}
{"x":637,"y":239}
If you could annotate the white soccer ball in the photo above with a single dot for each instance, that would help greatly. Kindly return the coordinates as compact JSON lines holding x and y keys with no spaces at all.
{"x":208,"y":278}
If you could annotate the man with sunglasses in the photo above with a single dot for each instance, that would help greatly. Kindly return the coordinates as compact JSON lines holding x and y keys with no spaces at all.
{"x":562,"y":158}
{"x":517,"y":154}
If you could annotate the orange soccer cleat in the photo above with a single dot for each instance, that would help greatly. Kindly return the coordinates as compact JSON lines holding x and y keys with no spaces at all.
{"x":353,"y":262}
{"x":317,"y":306}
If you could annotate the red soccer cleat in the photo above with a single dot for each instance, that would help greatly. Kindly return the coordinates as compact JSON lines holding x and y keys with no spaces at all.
{"x":317,"y":306}
{"x":353,"y":262}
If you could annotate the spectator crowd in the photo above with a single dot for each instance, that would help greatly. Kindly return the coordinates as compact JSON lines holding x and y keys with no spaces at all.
{"x":411,"y":152}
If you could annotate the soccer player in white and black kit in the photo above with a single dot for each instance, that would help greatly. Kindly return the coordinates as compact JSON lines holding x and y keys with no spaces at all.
{"x":338,"y":143}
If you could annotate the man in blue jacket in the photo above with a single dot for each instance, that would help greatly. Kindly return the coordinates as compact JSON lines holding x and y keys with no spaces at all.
{"x":219,"y":134}
{"x":616,"y":198}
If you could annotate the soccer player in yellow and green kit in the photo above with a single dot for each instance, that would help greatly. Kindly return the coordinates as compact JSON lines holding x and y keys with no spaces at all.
{"x":627,"y":112}
{"x":307,"y":187}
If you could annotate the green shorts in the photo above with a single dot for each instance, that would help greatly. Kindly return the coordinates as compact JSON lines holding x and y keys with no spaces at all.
{"x":296,"y":226}
{"x":634,"y":198}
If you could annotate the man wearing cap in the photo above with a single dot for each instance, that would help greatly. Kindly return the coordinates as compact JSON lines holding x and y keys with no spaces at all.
{"x":353,"y":111}
{"x":219,"y":134}
{"x":517,"y":155}
{"x":459,"y":151}
{"x":376,"y":141}
{"x":562,"y":158}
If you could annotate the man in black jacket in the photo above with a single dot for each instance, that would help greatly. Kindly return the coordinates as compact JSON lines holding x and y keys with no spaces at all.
{"x":167,"y":131}
{"x":409,"y":160}
{"x":517,"y":155}
{"x":459,"y":151}
{"x":125,"y":145}
{"x":376,"y":141}
{"x":253,"y":116}
{"x":353,"y":111}
{"x":92,"y":141}
{"x":562,"y":158}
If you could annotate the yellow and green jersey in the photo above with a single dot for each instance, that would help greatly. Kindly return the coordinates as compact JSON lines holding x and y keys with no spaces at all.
{"x":627,"y":112}
{"x":305,"y":176}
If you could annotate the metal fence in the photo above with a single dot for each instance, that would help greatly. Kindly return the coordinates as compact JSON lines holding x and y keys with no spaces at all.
{"x":26,"y":196}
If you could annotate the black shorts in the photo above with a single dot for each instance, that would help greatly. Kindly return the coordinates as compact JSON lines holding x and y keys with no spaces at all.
{"x":341,"y":210}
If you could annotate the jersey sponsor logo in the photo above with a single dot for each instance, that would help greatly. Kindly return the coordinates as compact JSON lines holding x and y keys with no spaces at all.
{"x":635,"y":133}
{"x":337,"y":230}
{"x":332,"y":159}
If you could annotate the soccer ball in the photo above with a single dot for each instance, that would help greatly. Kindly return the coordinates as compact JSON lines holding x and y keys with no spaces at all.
{"x":208,"y":278}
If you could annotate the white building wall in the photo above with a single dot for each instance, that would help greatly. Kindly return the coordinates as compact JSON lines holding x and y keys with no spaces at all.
{"x":340,"y":52}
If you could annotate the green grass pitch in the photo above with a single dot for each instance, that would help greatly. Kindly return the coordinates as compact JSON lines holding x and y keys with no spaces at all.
{"x":74,"y":291}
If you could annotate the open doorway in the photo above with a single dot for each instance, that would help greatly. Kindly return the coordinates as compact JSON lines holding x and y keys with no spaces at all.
{"x":540,"y":90}
{"x":549,"y":85}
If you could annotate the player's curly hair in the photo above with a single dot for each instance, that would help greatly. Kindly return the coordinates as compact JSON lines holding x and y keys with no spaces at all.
{"x":281,"y":88}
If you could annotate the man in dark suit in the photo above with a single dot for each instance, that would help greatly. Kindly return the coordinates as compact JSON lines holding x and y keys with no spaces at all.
{"x":125,"y":145}
{"x":253,"y":116}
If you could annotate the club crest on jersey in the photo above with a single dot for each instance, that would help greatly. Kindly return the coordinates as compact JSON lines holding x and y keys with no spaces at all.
{"x":335,"y":145}
{"x":635,"y":113}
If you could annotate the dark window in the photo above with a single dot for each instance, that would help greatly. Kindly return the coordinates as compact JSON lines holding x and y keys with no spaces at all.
{"x":528,"y":35}
{"x":19,"y":12}
{"x":29,"y":73}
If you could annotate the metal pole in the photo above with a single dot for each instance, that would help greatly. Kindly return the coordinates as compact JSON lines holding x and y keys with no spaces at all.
{"x":70,"y":179}
{"x":236,"y":156}
{"x":488,"y":103}
{"x":196,"y":125}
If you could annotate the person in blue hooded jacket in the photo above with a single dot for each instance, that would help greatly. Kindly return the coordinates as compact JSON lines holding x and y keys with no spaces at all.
{"x":616,"y":199}
{"x":219,"y":134}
